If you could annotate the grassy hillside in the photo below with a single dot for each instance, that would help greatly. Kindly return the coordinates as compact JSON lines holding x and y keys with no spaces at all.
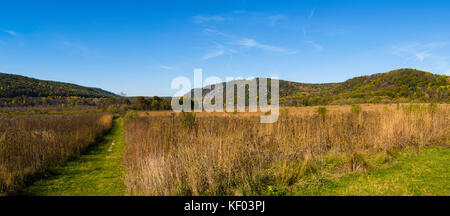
{"x":403,"y":85}
{"x":16,"y":86}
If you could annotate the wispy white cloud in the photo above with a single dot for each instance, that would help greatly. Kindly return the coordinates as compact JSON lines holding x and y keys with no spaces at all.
{"x":222,"y":34}
{"x":205,"y":19}
{"x":169,"y":68}
{"x":311,"y":43}
{"x":275,"y":18}
{"x":426,"y":54}
{"x":11,"y":32}
{"x":315,"y":45}
{"x":251,"y":43}
{"x":75,"y":46}
{"x":435,"y":45}
{"x":248,"y":43}
{"x":78,"y":48}
{"x":311,"y":13}
{"x":420,"y":52}
{"x":304,"y":32}
{"x":213,"y":54}
{"x":421,"y":56}
{"x":308,"y":41}
{"x":219,"y":50}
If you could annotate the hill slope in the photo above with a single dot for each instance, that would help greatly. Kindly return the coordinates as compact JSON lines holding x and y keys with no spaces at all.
{"x":16,"y":86}
{"x":403,"y":85}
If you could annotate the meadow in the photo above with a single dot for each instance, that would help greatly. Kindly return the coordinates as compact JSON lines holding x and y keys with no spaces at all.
{"x":30,"y":144}
{"x":233,"y":154}
{"x":368,"y":149}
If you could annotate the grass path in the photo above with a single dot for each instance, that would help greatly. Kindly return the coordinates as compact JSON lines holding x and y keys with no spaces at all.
{"x":99,"y":172}
{"x":423,"y":174}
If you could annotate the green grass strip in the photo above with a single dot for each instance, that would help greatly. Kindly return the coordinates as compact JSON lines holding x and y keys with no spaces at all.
{"x":424,"y":174}
{"x":99,"y":172}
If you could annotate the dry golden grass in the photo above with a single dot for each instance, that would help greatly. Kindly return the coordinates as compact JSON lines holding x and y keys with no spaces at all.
{"x":233,"y":154}
{"x":32,"y":143}
{"x":293,"y":111}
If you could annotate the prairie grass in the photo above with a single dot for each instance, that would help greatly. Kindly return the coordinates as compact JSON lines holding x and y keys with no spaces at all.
{"x":50,"y":110}
{"x":233,"y":154}
{"x":97,"y":172}
{"x":30,"y":144}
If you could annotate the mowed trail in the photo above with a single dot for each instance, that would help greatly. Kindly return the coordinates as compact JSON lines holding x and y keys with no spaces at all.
{"x":98,"y":172}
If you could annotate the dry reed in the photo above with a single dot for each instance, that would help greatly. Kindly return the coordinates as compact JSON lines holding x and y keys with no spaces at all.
{"x":228,"y":154}
{"x":31,"y":143}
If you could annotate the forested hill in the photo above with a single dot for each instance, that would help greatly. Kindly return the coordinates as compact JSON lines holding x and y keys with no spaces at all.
{"x":403,"y":85}
{"x":17,"y":86}
{"x":397,"y":84}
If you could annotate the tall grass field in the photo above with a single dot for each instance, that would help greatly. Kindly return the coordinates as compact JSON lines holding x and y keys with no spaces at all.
{"x":234,"y":154}
{"x":30,"y":144}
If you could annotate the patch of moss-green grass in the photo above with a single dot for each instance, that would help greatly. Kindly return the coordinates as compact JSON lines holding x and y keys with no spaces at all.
{"x":426,"y":173}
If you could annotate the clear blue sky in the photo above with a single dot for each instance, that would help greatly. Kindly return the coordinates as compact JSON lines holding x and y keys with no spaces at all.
{"x":138,"y":47}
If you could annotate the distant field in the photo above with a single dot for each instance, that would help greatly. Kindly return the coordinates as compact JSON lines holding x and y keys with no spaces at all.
{"x":233,"y":154}
{"x":49,"y":110}
{"x":296,"y":111}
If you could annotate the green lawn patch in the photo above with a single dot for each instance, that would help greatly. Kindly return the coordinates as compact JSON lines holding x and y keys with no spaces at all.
{"x":426,"y":173}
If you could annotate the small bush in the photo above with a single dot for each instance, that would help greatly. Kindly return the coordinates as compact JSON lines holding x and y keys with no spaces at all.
{"x":310,"y":166}
{"x":356,"y":109}
{"x":284,"y":112}
{"x":322,"y":111}
{"x":130,"y":115}
{"x":412,"y":108}
{"x":268,"y":112}
{"x":187,"y":119}
{"x":433,"y":107}
{"x":357,"y":162}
